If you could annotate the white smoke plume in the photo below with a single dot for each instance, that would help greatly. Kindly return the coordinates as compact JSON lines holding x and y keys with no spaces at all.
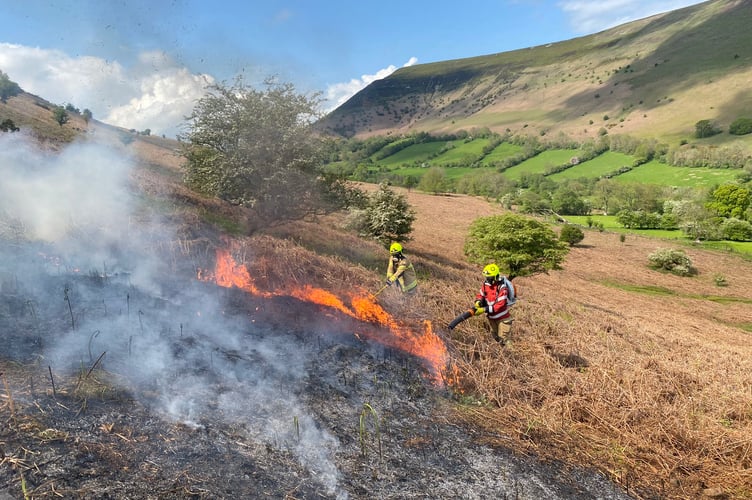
{"x":76,"y":245}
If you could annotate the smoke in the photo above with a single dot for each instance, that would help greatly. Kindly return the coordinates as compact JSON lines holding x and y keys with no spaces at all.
{"x":76,"y":244}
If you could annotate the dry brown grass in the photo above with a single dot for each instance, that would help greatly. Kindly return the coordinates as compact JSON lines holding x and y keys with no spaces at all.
{"x":652,"y":389}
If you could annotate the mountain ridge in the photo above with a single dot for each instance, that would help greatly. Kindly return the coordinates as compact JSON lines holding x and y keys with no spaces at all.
{"x":644,"y":78}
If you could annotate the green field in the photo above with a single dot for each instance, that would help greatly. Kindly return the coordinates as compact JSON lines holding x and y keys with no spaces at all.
{"x":501,"y":152}
{"x":540,"y":163}
{"x":415,"y":153}
{"x":449,"y":172}
{"x":462,"y":152}
{"x":655,"y":172}
{"x":608,"y":162}
{"x":610,"y":224}
{"x":414,"y":159}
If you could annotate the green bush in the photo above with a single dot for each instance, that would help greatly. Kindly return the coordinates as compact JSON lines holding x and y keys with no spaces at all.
{"x":741,"y":126}
{"x":736,"y":229}
{"x":671,"y":260}
{"x":386,"y":217}
{"x":8,"y":88}
{"x":706,"y":128}
{"x":519,"y":245}
{"x":571,"y":234}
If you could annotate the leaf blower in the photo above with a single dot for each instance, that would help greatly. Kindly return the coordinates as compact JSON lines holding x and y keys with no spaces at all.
{"x":478,"y":308}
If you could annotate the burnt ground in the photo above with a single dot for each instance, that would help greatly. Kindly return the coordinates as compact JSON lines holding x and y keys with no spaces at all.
{"x":112,"y":391}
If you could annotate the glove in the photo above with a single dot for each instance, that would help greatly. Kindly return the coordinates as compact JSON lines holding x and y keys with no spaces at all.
{"x":480,"y":303}
{"x":479,"y":310}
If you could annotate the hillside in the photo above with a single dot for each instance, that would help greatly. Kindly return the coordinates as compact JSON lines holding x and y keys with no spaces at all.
{"x":654,"y":78}
{"x":149,"y":352}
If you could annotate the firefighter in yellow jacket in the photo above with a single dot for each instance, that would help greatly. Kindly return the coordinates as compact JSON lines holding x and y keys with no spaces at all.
{"x":401,"y":270}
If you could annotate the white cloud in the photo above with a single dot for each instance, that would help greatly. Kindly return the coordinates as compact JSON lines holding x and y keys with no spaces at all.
{"x":591,"y":16}
{"x":338,"y":93}
{"x":155,"y":93}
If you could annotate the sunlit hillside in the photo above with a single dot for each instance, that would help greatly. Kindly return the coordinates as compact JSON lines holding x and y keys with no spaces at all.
{"x":654,"y":78}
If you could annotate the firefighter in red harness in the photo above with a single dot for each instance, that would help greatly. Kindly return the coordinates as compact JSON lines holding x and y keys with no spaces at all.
{"x":494,"y":299}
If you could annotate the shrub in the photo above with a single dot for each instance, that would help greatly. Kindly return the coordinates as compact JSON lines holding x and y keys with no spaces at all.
{"x":520,"y":245}
{"x":60,"y":115}
{"x":671,"y":260}
{"x":736,"y":229}
{"x":8,"y":88}
{"x":386,"y":217}
{"x":7,"y":125}
{"x":741,"y":126}
{"x":571,"y":234}
{"x":705,"y":128}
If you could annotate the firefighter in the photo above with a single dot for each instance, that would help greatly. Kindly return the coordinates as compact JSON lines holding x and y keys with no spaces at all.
{"x":401,"y":270}
{"x":494,"y":299}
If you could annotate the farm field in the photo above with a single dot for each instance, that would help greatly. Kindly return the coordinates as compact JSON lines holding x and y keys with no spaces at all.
{"x":501,"y":152}
{"x":655,"y":172}
{"x":610,"y":224}
{"x":412,"y":154}
{"x":601,"y":165}
{"x":540,"y":163}
{"x":462,"y":152}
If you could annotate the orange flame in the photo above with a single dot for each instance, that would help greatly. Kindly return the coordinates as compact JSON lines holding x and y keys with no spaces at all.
{"x":425,"y":345}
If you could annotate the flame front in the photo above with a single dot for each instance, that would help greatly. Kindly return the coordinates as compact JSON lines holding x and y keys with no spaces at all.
{"x":425,"y":345}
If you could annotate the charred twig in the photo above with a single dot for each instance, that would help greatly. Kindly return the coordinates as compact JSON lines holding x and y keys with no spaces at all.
{"x":91,"y":369}
{"x":10,"y":397}
{"x":33,"y":314}
{"x":70,"y":308}
{"x":52,"y":380}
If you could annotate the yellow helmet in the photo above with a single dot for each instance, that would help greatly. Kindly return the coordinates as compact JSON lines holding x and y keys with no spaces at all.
{"x":491,"y":271}
{"x":395,"y":248}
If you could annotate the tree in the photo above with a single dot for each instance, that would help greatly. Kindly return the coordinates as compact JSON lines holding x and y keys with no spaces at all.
{"x":522,"y":246}
{"x":433,"y":181}
{"x":87,"y":115}
{"x":730,"y":200}
{"x":741,"y":126}
{"x":705,"y":128}
{"x":8,"y":88}
{"x":571,"y":234}
{"x":736,"y":229}
{"x":386,"y":217}
{"x":566,"y":202}
{"x":60,"y":115}
{"x":257,"y":149}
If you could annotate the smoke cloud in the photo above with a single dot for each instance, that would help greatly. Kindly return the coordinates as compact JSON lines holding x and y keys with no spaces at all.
{"x":75,"y":243}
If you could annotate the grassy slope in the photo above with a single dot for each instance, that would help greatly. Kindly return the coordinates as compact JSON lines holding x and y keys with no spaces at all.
{"x":653,"y":78}
{"x":664,"y":385}
{"x":662,"y":404}
{"x":666,"y":375}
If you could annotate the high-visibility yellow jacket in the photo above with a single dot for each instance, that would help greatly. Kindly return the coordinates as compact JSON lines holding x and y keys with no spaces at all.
{"x":401,"y":271}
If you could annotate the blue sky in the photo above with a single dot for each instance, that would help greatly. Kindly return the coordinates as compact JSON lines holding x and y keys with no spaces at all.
{"x":142,"y":64}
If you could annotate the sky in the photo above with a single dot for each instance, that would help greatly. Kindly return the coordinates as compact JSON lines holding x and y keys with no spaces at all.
{"x":143,"y":64}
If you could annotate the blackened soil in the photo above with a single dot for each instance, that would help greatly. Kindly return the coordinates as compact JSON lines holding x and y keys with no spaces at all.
{"x":267,"y":409}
